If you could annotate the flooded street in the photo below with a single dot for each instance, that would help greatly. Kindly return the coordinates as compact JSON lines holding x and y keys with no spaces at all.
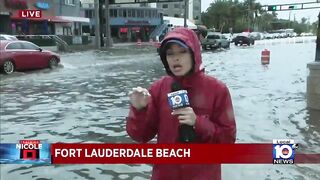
{"x":85,"y":101}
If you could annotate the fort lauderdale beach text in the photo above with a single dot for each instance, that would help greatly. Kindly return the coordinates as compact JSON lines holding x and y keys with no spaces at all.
{"x":125,"y":152}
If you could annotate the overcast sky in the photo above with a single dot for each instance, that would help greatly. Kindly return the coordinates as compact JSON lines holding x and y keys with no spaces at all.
{"x":308,"y":13}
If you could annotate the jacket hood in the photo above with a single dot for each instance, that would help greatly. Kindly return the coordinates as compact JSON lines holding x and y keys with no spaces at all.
{"x":190,"y":38}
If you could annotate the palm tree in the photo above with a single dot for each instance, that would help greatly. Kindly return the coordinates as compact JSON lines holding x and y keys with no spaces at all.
{"x":254,"y":9}
{"x":225,"y":14}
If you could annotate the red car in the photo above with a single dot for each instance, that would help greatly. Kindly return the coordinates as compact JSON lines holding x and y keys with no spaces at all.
{"x":24,"y":55}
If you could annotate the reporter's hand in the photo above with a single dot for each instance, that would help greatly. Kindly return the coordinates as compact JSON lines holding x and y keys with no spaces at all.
{"x":186,"y":116}
{"x":139,"y":97}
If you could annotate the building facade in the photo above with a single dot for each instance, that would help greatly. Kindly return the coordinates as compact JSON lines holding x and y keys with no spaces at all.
{"x":196,"y":5}
{"x":176,"y":9}
{"x":128,"y":23}
{"x":60,"y":17}
{"x":14,"y":24}
{"x":70,"y":10}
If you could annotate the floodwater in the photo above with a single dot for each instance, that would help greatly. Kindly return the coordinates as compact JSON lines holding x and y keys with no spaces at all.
{"x":86,"y":101}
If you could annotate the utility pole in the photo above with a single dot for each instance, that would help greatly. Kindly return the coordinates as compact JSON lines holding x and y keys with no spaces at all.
{"x":97,"y":24}
{"x":185,"y":12}
{"x":318,"y":41}
{"x":249,"y":15}
{"x":290,"y":15}
{"x":289,"y":19}
{"x":101,"y":23}
{"x":313,"y":80}
{"x":108,"y":39}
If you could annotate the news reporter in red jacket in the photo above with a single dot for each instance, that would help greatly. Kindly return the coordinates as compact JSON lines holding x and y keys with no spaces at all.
{"x":211,"y":112}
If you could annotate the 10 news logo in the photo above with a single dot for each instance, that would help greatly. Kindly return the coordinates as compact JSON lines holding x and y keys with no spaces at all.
{"x":178,"y":99}
{"x":283,"y":151}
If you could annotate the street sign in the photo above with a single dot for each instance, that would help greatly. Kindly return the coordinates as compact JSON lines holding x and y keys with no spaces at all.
{"x":296,"y":6}
{"x":140,"y":1}
{"x":291,"y":7}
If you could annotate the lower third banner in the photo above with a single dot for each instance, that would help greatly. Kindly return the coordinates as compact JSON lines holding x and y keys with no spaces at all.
{"x":36,"y":152}
{"x":178,"y":154}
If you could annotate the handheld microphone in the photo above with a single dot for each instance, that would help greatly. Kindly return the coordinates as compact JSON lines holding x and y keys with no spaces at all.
{"x":178,"y":98}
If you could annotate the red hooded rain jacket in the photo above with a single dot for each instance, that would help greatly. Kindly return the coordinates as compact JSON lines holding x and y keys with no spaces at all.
{"x":211,"y":102}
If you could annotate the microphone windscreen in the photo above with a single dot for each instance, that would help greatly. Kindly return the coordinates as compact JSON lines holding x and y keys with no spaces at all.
{"x":175,"y":86}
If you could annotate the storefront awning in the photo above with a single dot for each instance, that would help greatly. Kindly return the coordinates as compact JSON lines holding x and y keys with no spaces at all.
{"x":75,"y":19}
{"x":179,"y":22}
{"x":56,"y":19}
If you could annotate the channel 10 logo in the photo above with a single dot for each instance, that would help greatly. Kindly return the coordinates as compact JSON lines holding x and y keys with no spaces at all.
{"x":178,"y":99}
{"x":283,"y":151}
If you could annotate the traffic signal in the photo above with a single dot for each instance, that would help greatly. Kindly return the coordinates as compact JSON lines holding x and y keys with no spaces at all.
{"x":272,"y":8}
{"x":292,"y":7}
{"x":110,"y":1}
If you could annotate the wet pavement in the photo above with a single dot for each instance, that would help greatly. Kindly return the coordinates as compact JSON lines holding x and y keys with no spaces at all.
{"x":86,"y":100}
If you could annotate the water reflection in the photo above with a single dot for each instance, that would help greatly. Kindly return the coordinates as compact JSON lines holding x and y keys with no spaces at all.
{"x":314,"y":120}
{"x":313,"y":130}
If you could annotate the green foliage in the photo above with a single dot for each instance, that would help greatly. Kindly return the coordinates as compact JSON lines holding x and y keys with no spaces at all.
{"x":264,"y":21}
{"x":226,"y":14}
{"x":222,"y":15}
{"x":304,"y":26}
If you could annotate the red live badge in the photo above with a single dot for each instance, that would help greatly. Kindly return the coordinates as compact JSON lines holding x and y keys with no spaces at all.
{"x":30,"y":13}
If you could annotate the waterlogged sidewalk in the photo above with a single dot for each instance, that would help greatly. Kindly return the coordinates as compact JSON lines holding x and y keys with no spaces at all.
{"x":293,"y":40}
{"x":129,"y":45}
